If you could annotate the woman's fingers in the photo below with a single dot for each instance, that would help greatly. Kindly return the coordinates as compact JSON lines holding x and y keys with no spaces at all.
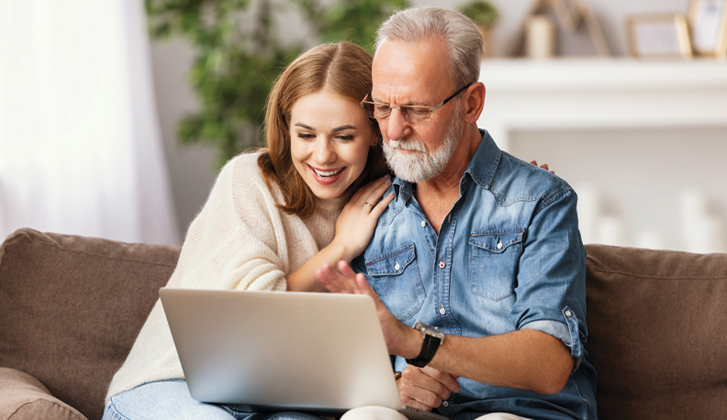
{"x":371,"y":193}
{"x":382,"y":205}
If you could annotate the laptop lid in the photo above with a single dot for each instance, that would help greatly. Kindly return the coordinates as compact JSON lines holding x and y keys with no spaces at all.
{"x":318,"y":352}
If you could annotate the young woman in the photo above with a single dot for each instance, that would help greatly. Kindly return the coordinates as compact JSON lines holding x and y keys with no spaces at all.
{"x":313,"y":196}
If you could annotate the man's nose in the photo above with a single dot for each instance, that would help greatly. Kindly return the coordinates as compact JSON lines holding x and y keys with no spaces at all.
{"x":396,"y":125}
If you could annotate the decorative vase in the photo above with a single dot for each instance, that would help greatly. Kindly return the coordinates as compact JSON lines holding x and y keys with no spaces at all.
{"x":485,"y":31}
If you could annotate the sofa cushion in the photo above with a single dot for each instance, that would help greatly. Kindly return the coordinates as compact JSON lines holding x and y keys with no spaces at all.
{"x":71,"y":308}
{"x":22,"y":397}
{"x":657,"y":332}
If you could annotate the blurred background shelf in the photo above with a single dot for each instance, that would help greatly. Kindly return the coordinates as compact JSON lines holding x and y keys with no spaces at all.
{"x":642,"y":141}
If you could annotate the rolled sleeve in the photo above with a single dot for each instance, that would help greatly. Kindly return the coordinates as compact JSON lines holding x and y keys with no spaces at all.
{"x":551,"y":290}
{"x":567,"y":332}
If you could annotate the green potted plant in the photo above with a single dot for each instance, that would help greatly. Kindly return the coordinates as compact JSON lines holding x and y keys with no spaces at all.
{"x":484,"y":14}
{"x":239,"y":53}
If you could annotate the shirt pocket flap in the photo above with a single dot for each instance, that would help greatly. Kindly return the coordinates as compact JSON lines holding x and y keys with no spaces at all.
{"x":392,"y":263}
{"x":496,"y":242}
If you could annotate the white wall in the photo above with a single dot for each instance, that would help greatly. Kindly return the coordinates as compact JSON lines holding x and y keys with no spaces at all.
{"x":643,"y":181}
{"x":191,"y":171}
{"x":191,"y":167}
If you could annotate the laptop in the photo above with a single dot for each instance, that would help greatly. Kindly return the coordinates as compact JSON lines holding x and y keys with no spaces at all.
{"x":322,"y":353}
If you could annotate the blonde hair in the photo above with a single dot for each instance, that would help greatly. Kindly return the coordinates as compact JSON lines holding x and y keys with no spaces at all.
{"x":343,"y":68}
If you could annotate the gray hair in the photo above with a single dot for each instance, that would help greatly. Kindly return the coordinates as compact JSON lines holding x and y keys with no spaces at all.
{"x":461,"y":36}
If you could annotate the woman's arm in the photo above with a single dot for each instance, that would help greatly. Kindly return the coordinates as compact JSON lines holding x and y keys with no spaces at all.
{"x":354,"y":228}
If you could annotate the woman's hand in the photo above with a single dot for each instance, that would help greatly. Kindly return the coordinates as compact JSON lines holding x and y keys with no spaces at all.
{"x":543,"y":166}
{"x":356,"y":223}
{"x":354,"y":229}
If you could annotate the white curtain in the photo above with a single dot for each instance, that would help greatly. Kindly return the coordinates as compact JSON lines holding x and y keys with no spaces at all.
{"x":80,"y":145}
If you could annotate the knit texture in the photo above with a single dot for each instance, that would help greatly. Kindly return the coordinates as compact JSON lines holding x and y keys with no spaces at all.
{"x":239,"y":241}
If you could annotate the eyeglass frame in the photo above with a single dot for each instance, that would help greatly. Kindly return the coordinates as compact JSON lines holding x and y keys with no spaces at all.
{"x":431,"y":109}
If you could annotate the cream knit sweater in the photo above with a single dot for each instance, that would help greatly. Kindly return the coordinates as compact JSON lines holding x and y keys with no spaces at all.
{"x":241,"y":241}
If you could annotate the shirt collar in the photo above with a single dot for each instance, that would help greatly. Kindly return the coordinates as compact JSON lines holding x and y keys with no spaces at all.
{"x":481,"y":168}
{"x":484,"y":163}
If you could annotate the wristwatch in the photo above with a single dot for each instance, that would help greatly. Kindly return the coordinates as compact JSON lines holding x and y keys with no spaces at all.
{"x":433,"y":338}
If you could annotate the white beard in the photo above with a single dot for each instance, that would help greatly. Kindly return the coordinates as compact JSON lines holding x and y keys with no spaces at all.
{"x":425,"y":165}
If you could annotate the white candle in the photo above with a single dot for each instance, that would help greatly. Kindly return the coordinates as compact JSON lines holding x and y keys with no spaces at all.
{"x":702,"y":230}
{"x":611,"y":231}
{"x":650,"y":239}
{"x":589,"y":208}
{"x":539,"y":37}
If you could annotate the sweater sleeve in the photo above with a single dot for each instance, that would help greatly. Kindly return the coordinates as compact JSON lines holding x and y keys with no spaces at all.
{"x":238,"y":240}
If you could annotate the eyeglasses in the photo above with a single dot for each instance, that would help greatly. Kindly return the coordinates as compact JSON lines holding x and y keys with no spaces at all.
{"x":412,"y":113}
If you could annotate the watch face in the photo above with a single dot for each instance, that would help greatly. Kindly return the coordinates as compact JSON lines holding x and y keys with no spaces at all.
{"x":426,"y":329}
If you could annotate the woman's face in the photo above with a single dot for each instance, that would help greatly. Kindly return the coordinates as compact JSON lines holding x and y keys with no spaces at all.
{"x":330,"y":138}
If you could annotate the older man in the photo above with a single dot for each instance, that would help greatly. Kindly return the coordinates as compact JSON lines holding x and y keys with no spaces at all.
{"x":477,"y":266}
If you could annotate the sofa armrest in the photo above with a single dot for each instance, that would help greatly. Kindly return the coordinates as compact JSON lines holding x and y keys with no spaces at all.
{"x":22,"y":397}
{"x":72,"y":306}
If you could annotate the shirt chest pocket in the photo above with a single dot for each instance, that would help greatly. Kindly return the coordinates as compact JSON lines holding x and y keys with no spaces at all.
{"x":495,"y":256}
{"x":396,"y":280}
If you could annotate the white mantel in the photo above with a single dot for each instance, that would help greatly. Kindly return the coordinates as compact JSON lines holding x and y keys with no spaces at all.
{"x":642,"y":142}
{"x":601,"y":94}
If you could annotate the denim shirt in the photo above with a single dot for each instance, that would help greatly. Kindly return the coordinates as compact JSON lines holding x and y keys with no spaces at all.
{"x":508,"y":257}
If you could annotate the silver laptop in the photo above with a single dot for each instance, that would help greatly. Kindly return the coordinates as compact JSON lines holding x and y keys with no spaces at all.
{"x":278,"y":351}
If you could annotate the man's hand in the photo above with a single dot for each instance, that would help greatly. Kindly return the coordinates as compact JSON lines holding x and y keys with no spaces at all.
{"x":425,"y":388}
{"x":396,"y":334}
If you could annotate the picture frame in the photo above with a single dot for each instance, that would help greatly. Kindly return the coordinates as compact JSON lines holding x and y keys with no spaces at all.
{"x":708,"y":25}
{"x":659,"y":36}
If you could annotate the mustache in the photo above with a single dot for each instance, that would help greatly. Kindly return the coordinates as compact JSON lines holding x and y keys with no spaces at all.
{"x":407,"y":145}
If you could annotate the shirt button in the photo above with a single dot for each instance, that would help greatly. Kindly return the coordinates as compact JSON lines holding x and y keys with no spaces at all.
{"x":568,"y":314}
{"x":445,"y":404}
{"x":397,"y":266}
{"x":441,"y":310}
{"x":441,"y":264}
{"x":424,"y":224}
{"x":499,"y":245}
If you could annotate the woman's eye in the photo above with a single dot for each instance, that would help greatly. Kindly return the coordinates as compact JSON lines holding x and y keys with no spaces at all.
{"x":306,"y":136}
{"x":346,"y":137}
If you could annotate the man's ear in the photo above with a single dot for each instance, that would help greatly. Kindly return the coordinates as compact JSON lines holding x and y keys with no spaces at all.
{"x":474,"y":102}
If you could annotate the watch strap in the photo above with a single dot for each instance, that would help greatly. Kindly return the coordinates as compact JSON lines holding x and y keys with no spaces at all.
{"x":429,"y":349}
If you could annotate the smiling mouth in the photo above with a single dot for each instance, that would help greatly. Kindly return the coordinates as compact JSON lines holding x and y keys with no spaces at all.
{"x":327,"y":174}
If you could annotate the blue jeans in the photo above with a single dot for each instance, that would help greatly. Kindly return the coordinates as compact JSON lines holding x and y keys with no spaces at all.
{"x":171,"y":400}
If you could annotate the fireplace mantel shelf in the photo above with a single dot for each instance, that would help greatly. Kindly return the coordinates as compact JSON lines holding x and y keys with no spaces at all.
{"x":601,"y":94}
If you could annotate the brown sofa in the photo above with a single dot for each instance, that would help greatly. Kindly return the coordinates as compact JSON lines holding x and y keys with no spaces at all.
{"x":70,"y":308}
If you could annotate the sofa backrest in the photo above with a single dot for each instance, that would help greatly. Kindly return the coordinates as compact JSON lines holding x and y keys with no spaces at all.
{"x":657,"y":322}
{"x":71,"y":308}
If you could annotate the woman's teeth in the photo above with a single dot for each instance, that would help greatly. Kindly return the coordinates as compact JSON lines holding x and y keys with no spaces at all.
{"x":327,"y":174}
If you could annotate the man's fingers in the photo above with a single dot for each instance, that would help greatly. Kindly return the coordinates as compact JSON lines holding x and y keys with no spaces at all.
{"x":346,"y":270}
{"x":417,"y":404}
{"x":412,"y":394}
{"x":324,"y":275}
{"x":357,"y":281}
{"x":333,"y":281}
{"x":445,"y":379}
{"x":422,"y":387}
